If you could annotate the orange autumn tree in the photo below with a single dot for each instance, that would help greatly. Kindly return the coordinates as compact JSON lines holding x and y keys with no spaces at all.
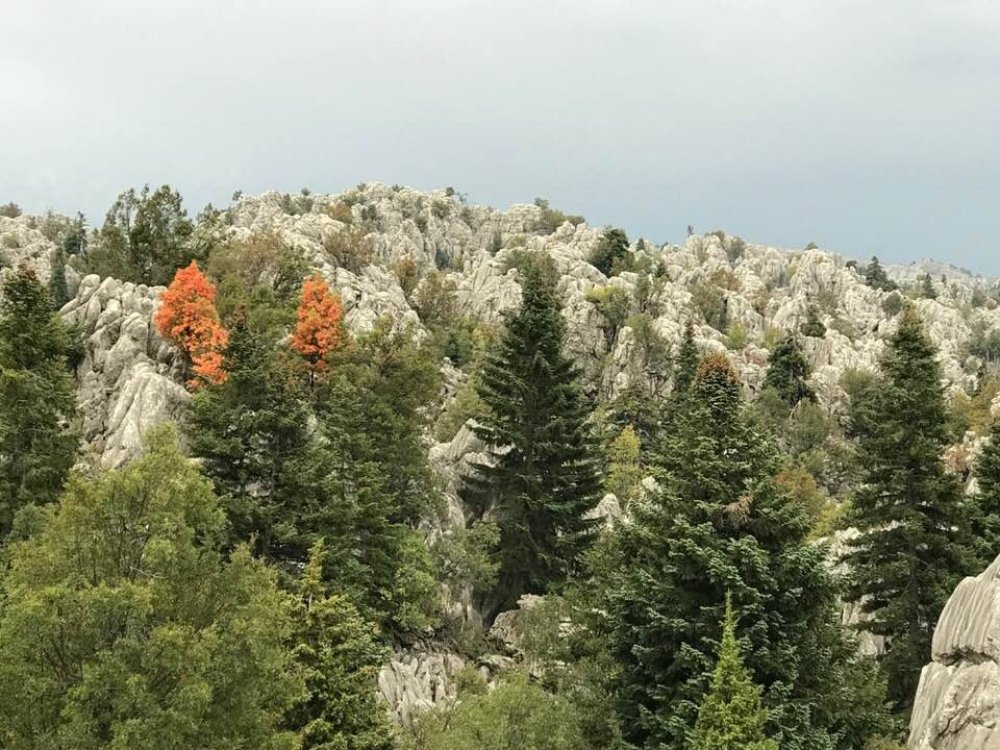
{"x":317,"y":326}
{"x":187,"y":316}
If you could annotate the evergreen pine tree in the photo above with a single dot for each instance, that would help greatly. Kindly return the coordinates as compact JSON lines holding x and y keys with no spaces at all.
{"x":986,"y":520}
{"x":687,"y":361}
{"x":543,"y":477}
{"x":57,"y":281}
{"x":927,"y":290}
{"x":876,"y":277}
{"x":252,"y":433}
{"x":731,"y":717}
{"x":339,"y":659}
{"x":722,"y":524}
{"x":787,"y":373}
{"x":38,"y":443}
{"x":913,"y":544}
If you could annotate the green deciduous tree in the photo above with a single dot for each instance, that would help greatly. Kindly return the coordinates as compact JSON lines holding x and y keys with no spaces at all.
{"x":122,"y":624}
{"x":731,"y":717}
{"x":146,"y":237}
{"x":542,"y":479}
{"x":723,"y":524}
{"x":787,"y":373}
{"x":38,"y":443}
{"x":910,"y":512}
{"x":516,"y":714}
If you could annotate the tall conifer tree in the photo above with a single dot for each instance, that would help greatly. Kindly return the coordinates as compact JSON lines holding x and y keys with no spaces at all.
{"x":788,"y":371}
{"x":38,"y":444}
{"x":731,"y":717}
{"x":543,"y":477}
{"x":913,"y":545}
{"x":722,"y":524}
{"x":986,"y":519}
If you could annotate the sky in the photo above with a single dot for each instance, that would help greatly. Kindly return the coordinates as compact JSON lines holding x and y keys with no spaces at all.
{"x":865,"y":127}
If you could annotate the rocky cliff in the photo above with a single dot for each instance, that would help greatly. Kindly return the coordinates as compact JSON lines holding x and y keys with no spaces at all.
{"x":958,"y":701}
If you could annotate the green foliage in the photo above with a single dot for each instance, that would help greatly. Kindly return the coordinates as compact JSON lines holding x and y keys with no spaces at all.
{"x":910,"y":512}
{"x":730,"y":717}
{"x":550,"y":219}
{"x":725,"y":525}
{"x":709,"y":299}
{"x":543,"y":477}
{"x":350,"y":248}
{"x":984,"y":343}
{"x":146,"y":237}
{"x":876,"y":277}
{"x":609,"y":251}
{"x":466,"y":556}
{"x":624,"y":474}
{"x":515,"y":714}
{"x":927,"y":290}
{"x":986,"y":519}
{"x":813,"y":325}
{"x":10,"y":210}
{"x":57,"y":281}
{"x":788,"y":372}
{"x":124,"y":626}
{"x":893,"y":304}
{"x":655,"y":351}
{"x":686,"y":361}
{"x":613,"y":303}
{"x":736,"y":337}
{"x":259,"y":279}
{"x":252,"y":433}
{"x":38,"y":443}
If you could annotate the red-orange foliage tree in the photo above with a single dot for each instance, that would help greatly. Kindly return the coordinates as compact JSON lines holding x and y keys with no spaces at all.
{"x":187,"y":316}
{"x":317,"y":328}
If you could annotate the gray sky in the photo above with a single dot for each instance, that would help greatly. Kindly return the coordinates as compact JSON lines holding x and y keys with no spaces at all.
{"x":863,"y":126}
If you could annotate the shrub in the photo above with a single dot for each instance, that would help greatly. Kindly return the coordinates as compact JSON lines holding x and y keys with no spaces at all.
{"x":340,"y":212}
{"x":893,"y":304}
{"x":406,"y":272}
{"x":549,"y":220}
{"x":10,"y":211}
{"x":351,"y":249}
{"x":813,"y":325}
{"x":613,"y":303}
{"x":709,"y":300}
{"x":736,"y":336}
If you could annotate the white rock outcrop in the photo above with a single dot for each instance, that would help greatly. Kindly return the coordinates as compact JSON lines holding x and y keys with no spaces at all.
{"x":128,"y":379}
{"x":957,"y":705}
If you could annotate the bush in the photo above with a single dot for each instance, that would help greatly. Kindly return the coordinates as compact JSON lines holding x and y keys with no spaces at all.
{"x":893,"y":304}
{"x":406,"y":272}
{"x":613,"y":303}
{"x":516,"y":714}
{"x":351,"y":249}
{"x":340,"y":212}
{"x":709,"y":300}
{"x":10,"y":211}
{"x":550,"y":219}
{"x":736,"y":336}
{"x":813,"y":325}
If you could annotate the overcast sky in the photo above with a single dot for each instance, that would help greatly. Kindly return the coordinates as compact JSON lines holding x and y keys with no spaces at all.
{"x":866,"y":127}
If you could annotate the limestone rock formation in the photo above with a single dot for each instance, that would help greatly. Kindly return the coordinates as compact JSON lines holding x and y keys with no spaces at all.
{"x":958,"y":700}
{"x":128,"y":380}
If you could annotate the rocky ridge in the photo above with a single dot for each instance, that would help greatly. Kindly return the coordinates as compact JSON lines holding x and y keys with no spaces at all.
{"x":129,"y":378}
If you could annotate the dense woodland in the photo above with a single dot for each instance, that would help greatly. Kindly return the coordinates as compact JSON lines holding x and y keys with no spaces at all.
{"x":241,"y":583}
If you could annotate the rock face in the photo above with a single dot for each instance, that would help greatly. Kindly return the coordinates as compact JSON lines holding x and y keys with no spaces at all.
{"x":958,"y":700}
{"x":416,"y":681}
{"x":128,"y":378}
